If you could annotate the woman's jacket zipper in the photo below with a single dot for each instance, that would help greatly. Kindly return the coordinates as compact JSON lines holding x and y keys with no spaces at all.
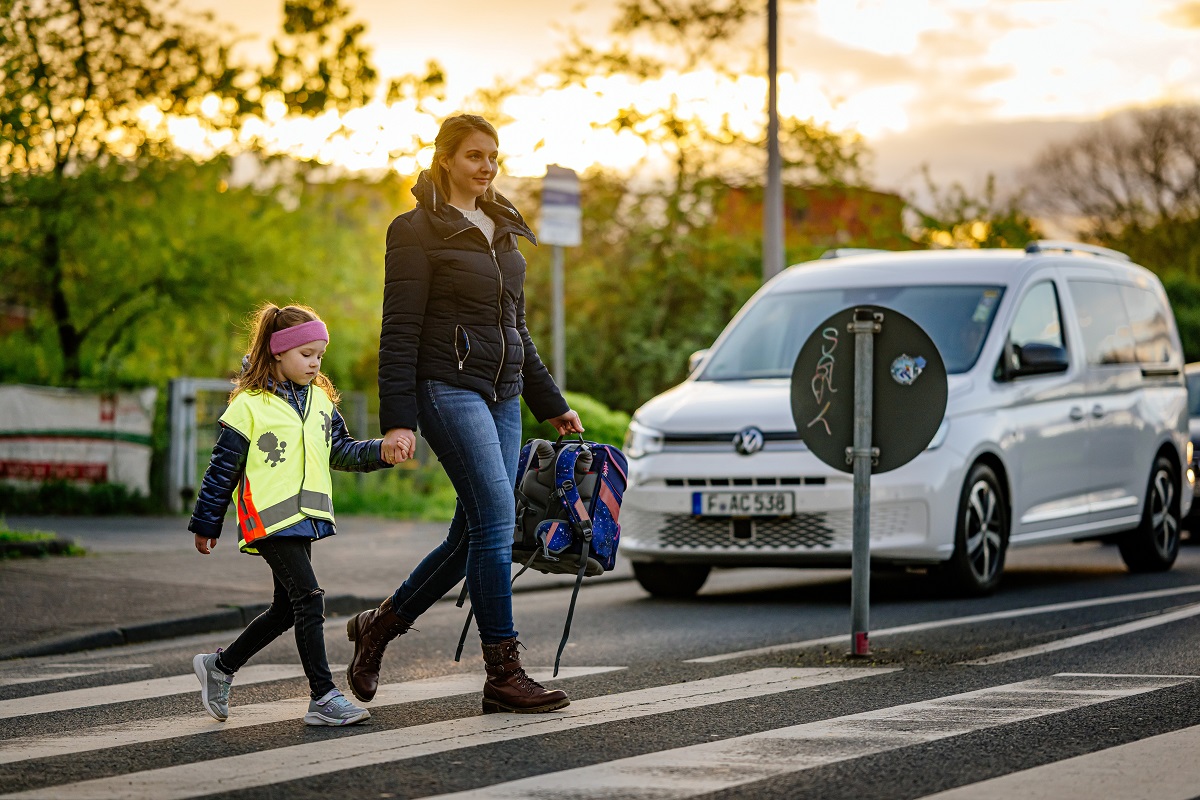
{"x":499,"y":310}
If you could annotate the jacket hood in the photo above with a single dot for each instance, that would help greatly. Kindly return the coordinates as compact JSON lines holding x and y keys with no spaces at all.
{"x":449,"y":220}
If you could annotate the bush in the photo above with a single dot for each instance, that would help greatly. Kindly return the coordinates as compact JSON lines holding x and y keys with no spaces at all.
{"x":60,"y":497}
{"x":406,"y":491}
{"x":601,"y":423}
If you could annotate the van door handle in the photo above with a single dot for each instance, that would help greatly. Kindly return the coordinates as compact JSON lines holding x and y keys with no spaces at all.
{"x":1097,"y":411}
{"x":1077,"y":413}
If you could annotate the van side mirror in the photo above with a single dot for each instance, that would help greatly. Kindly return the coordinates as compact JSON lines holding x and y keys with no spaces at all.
{"x":695,"y":359}
{"x":1037,"y":358}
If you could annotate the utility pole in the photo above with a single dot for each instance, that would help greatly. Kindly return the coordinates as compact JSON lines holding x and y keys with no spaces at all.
{"x":773,"y":194}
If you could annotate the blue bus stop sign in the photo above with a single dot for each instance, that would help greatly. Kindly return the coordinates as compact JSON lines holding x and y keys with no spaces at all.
{"x":908,"y":391}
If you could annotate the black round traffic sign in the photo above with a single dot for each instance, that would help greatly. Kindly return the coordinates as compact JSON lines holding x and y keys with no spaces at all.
{"x":909,"y":389}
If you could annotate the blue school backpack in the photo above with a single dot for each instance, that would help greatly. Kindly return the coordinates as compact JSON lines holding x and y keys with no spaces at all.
{"x":568,"y":501}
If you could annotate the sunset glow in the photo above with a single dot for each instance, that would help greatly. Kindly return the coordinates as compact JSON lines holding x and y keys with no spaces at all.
{"x":875,"y":67}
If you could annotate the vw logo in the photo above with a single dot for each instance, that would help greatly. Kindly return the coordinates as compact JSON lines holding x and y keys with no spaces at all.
{"x":748,"y":441}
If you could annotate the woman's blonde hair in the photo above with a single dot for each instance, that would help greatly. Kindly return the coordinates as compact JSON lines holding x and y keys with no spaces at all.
{"x":258,"y":371}
{"x":452,"y":133}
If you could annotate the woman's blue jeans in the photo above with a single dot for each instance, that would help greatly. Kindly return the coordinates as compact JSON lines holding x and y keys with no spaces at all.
{"x":478,"y":442}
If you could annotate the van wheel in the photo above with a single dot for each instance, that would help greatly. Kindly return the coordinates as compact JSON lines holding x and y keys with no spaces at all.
{"x":1153,"y":545}
{"x":980,"y":537}
{"x":671,"y":580}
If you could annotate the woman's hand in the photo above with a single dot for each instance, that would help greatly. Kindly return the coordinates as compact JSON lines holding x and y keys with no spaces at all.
{"x":204,"y":544}
{"x":399,"y":444}
{"x":567,"y":423}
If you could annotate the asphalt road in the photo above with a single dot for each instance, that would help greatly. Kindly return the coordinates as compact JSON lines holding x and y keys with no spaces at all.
{"x":1086,"y":683}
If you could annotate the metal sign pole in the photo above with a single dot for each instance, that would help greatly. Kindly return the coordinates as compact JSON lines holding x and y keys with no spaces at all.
{"x":864,"y":327}
{"x":560,"y":347}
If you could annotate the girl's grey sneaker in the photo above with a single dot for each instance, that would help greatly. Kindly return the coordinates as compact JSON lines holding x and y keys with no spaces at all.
{"x":214,"y":685}
{"x":334,"y":709}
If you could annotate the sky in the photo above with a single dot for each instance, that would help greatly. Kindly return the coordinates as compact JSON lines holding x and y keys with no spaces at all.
{"x":966,"y":87}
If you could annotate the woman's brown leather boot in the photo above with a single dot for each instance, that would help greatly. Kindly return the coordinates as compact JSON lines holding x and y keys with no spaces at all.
{"x":370,"y":631}
{"x":509,"y":689}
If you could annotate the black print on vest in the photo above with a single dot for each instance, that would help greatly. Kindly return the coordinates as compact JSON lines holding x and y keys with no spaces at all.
{"x":327,"y":427}
{"x":273,"y":448}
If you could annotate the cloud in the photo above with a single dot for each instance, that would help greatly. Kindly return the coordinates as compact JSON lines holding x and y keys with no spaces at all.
{"x":1184,"y":15}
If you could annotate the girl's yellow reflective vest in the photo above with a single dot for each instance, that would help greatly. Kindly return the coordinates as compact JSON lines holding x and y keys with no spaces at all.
{"x":287,"y":469}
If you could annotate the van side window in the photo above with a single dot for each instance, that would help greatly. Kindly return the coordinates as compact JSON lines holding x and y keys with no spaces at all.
{"x":1107,"y":335}
{"x":1038,"y":322}
{"x":1038,"y":319}
{"x":1150,"y":325}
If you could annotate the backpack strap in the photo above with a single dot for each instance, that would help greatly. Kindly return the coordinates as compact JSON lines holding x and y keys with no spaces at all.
{"x":462,"y":596}
{"x":566,"y":490}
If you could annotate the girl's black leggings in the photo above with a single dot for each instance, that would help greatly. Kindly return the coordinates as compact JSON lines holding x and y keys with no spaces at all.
{"x":298,"y":601}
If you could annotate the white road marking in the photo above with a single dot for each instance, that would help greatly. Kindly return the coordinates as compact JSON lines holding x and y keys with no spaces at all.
{"x":334,"y":755}
{"x":844,"y":638}
{"x":1088,"y":638}
{"x":154,"y":730}
{"x":54,"y":672}
{"x":1157,"y":768}
{"x":716,"y":766}
{"x":137,"y":690}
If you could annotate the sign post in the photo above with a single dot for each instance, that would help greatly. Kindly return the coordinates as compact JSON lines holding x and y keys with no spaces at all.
{"x":891,"y":415}
{"x":561,"y":227}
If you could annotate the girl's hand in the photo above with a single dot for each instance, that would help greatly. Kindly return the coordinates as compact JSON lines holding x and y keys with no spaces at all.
{"x":567,"y":423}
{"x":399,"y":444}
{"x":204,"y":544}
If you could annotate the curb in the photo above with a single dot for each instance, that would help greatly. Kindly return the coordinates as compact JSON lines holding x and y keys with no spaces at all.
{"x":225,"y":619}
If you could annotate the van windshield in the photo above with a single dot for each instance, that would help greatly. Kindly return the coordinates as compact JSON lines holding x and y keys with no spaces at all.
{"x":767,"y":339}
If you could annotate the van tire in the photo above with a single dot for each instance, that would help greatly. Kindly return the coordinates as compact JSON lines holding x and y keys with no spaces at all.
{"x":1154,"y":544}
{"x":980,"y":537}
{"x":671,"y":580}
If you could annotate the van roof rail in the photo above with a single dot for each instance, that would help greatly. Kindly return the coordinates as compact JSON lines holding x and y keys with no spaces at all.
{"x":1053,"y":245}
{"x":843,"y":252}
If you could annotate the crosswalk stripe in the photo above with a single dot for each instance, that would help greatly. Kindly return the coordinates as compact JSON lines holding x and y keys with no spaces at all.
{"x":972,"y":619}
{"x":143,"y":731}
{"x":715,"y":766}
{"x":1116,"y":772}
{"x":136,"y":690}
{"x":1090,"y":637}
{"x":55,"y":672}
{"x":333,"y":755}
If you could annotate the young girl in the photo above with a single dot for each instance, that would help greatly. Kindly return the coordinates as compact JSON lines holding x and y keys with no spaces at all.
{"x":279,"y":437}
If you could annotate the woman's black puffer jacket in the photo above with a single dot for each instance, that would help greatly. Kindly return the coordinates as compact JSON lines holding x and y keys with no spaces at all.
{"x":454,"y":310}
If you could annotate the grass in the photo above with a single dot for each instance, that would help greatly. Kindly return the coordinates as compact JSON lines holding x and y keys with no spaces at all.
{"x":18,"y":544}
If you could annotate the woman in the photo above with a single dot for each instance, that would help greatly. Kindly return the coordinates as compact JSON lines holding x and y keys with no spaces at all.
{"x":455,"y":358}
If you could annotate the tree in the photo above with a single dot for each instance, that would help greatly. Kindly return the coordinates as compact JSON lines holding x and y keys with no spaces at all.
{"x":1131,"y":181}
{"x":88,"y":87}
{"x":955,"y":218}
{"x":659,"y":277}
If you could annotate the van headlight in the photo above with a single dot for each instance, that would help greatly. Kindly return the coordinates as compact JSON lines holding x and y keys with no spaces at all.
{"x":642,"y":441}
{"x":940,"y":436}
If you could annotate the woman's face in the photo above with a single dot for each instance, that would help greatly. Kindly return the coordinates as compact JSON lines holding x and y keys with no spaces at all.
{"x":472,"y":168}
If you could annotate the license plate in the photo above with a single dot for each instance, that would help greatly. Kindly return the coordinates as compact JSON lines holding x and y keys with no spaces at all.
{"x":743,"y":504}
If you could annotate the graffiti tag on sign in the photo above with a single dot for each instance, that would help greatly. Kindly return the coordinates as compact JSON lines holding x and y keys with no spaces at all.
{"x":822,"y":379}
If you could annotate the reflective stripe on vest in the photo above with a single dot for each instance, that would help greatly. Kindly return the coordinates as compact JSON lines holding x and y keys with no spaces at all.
{"x":287,"y":476}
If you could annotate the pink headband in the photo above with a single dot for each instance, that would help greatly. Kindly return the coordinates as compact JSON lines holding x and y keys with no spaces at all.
{"x":297,"y":335}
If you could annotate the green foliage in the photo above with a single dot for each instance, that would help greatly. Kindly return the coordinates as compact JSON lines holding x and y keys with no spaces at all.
{"x":62,"y":498}
{"x":25,"y":544}
{"x":957,"y":218}
{"x":601,"y":423}
{"x":406,"y":491}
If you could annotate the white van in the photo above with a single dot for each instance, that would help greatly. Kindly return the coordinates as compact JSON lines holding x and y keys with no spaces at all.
{"x":1067,"y":419}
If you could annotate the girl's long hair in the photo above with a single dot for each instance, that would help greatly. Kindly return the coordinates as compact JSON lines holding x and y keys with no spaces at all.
{"x":452,"y":133}
{"x":258,"y":370}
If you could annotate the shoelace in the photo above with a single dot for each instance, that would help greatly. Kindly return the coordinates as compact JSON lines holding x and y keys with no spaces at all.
{"x":525,"y":682}
{"x":374,"y":656}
